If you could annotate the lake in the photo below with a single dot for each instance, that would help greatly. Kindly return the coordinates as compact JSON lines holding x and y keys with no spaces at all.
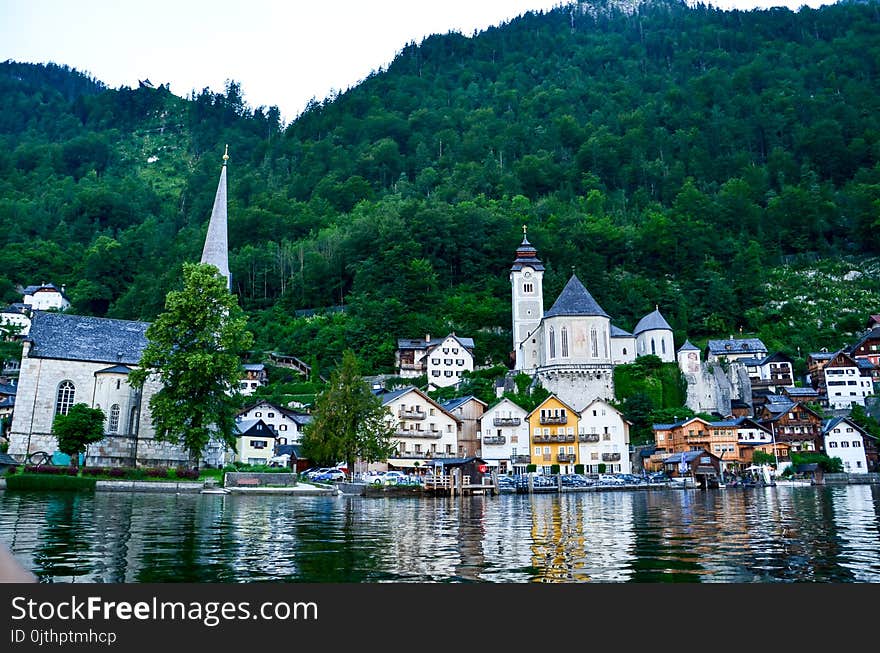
{"x":772,"y":534}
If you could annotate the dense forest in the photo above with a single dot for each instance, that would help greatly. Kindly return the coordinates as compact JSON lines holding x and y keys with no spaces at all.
{"x":720,"y":164}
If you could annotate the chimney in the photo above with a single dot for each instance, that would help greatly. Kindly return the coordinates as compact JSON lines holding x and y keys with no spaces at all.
{"x":427,"y":337}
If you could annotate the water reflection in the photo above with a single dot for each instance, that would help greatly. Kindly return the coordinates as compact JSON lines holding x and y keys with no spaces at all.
{"x":760,"y":535}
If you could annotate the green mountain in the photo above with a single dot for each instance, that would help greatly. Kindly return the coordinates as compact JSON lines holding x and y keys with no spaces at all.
{"x":723,"y":165}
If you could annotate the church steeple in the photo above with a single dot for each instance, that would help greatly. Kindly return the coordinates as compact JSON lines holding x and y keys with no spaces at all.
{"x":216,"y":250}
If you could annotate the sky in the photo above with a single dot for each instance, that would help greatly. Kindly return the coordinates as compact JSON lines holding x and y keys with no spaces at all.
{"x":282,"y":52}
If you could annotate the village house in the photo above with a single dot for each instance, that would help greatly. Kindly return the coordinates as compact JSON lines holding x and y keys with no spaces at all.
{"x":505,"y":437}
{"x":770,"y":372}
{"x":254,"y":376}
{"x":843,"y":381}
{"x":603,"y":439}
{"x":469,"y":411}
{"x":553,"y":426}
{"x":423,"y":428}
{"x":867,"y":348}
{"x":45,"y":297}
{"x":442,"y":360}
{"x":733,"y":349}
{"x":793,"y":423}
{"x":808,"y":395}
{"x":702,"y":466}
{"x":845,"y":439}
{"x":287,"y":424}
{"x":255,"y":442}
{"x":722,"y":438}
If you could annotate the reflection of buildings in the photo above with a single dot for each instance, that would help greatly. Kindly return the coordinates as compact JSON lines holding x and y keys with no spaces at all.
{"x":856,"y":516}
{"x":582,"y":537}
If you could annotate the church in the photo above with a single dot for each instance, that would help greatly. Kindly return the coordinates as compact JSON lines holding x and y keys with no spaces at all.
{"x":69,"y":359}
{"x":572,"y":347}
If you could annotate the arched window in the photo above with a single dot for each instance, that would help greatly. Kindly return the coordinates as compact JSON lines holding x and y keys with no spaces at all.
{"x":624,"y":351}
{"x":653,"y":347}
{"x":65,"y":397}
{"x":552,"y":343}
{"x":663,"y":345}
{"x":564,"y":342}
{"x":604,"y":343}
{"x":594,"y":342}
{"x":113,"y":427}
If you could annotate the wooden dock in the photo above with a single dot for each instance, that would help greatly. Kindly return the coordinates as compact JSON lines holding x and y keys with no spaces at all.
{"x":457,"y":485}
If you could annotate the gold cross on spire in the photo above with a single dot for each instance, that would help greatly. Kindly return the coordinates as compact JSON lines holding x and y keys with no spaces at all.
{"x":226,"y":154}
{"x":525,"y":229}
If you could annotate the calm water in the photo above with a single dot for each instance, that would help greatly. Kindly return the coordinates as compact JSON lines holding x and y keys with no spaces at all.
{"x":758,"y":535}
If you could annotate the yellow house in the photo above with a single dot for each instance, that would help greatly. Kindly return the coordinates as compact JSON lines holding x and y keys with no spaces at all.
{"x":553,"y":428}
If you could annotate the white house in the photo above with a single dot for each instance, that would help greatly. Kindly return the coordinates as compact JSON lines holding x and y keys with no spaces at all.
{"x":448,"y":359}
{"x":847,"y":382}
{"x":504,"y":436}
{"x":45,"y":297}
{"x":287,"y":424}
{"x":423,"y":428}
{"x":443,"y":360}
{"x":254,"y":377}
{"x":603,"y":438}
{"x":845,"y":439}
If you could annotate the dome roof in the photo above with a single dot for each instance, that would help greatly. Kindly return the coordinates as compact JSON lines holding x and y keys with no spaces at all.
{"x":651,"y":322}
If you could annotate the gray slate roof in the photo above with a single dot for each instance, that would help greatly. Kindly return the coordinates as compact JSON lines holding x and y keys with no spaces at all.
{"x":793,"y":391}
{"x":115,"y":369}
{"x":652,"y":321}
{"x":421,"y":343}
{"x":687,"y":346}
{"x":80,"y":338}
{"x":736,"y":346}
{"x":617,"y":332}
{"x":687,"y":455}
{"x":575,"y":300}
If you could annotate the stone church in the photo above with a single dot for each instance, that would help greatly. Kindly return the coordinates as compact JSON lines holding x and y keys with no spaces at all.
{"x":69,"y":359}
{"x":572,"y":347}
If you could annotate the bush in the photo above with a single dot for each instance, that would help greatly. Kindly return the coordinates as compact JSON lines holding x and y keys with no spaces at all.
{"x":48,"y":482}
{"x":531,"y":468}
{"x":94,"y":471}
{"x":554,"y":469}
{"x":51,"y":469}
{"x":156,"y":472}
{"x":183,"y":472}
{"x":602,"y":468}
{"x":117,"y":472}
{"x":578,"y":469}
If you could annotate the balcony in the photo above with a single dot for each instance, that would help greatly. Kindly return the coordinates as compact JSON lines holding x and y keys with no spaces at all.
{"x":610,"y":457}
{"x":565,"y":457}
{"x":554,"y":419}
{"x":506,"y":421}
{"x":520,"y":460}
{"x":588,"y":437}
{"x":553,"y":438}
{"x":412,"y":413}
{"x":403,"y":433}
{"x":494,"y":439}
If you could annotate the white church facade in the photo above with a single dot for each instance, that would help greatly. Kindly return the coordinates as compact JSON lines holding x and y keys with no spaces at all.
{"x":572,"y":347}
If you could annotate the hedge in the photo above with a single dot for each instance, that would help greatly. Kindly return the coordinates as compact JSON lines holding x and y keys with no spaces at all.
{"x":49,"y":482}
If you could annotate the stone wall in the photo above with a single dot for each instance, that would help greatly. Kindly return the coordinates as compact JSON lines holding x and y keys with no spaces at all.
{"x":256,"y":479}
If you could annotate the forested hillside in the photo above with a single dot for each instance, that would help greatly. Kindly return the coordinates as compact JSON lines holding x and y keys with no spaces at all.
{"x":723,"y":165}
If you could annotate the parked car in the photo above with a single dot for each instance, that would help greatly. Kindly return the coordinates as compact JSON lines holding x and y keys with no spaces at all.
{"x":312,"y":473}
{"x":393,"y":478}
{"x":330,"y":476}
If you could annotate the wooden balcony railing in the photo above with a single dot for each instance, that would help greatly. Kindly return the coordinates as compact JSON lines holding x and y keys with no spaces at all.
{"x":506,"y":421}
{"x":610,"y":457}
{"x":589,"y":437}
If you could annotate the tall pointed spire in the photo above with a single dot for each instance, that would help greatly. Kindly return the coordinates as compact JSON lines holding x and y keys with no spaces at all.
{"x":216,"y":250}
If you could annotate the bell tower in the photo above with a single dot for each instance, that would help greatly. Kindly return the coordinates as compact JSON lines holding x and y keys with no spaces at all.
{"x":527,"y":294}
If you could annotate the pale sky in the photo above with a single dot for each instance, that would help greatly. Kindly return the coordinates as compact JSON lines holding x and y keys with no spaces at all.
{"x":281,"y":52}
